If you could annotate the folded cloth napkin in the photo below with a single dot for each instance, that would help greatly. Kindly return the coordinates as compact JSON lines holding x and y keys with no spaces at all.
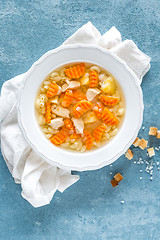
{"x":40,"y":180}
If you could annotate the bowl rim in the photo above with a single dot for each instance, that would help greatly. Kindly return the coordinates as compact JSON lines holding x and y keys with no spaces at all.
{"x":124,"y":65}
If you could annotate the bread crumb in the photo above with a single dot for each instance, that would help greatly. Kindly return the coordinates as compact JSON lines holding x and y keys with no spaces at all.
{"x":158,"y":134}
{"x":118,"y":177}
{"x":151,"y":152}
{"x":136,"y":142}
{"x":143,"y":143}
{"x":129,"y":154}
{"x":114,"y":182}
{"x":153,"y":131}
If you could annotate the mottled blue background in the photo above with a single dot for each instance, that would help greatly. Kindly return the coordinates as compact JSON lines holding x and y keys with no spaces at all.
{"x":91,"y":209}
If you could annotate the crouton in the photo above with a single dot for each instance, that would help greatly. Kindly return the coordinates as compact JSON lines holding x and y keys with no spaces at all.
{"x":151,"y":152}
{"x":153,"y":131}
{"x":118,"y":177}
{"x":114,"y":182}
{"x":158,"y":134}
{"x":129,"y":154}
{"x":136,"y":142}
{"x":143,"y":143}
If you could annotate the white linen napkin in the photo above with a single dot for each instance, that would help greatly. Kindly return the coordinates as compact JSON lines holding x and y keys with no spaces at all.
{"x":40,"y":180}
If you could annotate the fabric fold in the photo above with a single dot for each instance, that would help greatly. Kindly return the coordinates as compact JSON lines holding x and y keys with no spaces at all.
{"x":134,"y":57}
{"x":110,"y":39}
{"x":87,"y":34}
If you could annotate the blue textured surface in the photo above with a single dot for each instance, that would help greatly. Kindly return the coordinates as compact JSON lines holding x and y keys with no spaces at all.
{"x":91,"y":209}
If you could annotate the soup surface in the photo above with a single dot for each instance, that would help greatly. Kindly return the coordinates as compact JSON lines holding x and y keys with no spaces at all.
{"x":80,"y":107}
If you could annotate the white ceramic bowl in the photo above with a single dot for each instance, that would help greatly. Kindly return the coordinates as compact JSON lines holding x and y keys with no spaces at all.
{"x":128,"y":131}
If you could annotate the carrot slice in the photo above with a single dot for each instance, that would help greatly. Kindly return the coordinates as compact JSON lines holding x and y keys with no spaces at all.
{"x":74,"y":136}
{"x":109,"y":101}
{"x":68,"y":124}
{"x":81,"y":107}
{"x":60,"y":137}
{"x":67,"y":100}
{"x":76,"y":71}
{"x":87,"y":137}
{"x":52,"y":90}
{"x":78,"y":95}
{"x":93,"y":79}
{"x":109,"y":118}
{"x":48,"y":112}
{"x":98,"y":109}
{"x":98,"y":132}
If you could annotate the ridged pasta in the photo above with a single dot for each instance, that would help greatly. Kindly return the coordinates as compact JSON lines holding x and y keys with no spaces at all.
{"x":75,"y":72}
{"x":98,"y":109}
{"x":60,"y":137}
{"x":48,"y":112}
{"x":93,"y":79}
{"x":81,"y":107}
{"x":68,"y":97}
{"x":108,"y":100}
{"x":78,"y":95}
{"x":87,"y":138}
{"x":68,"y":124}
{"x":98,"y":132}
{"x":109,"y":118}
{"x":52,"y":90}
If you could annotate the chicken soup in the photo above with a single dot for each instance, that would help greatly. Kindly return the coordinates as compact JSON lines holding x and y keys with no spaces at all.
{"x":80,"y":107}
